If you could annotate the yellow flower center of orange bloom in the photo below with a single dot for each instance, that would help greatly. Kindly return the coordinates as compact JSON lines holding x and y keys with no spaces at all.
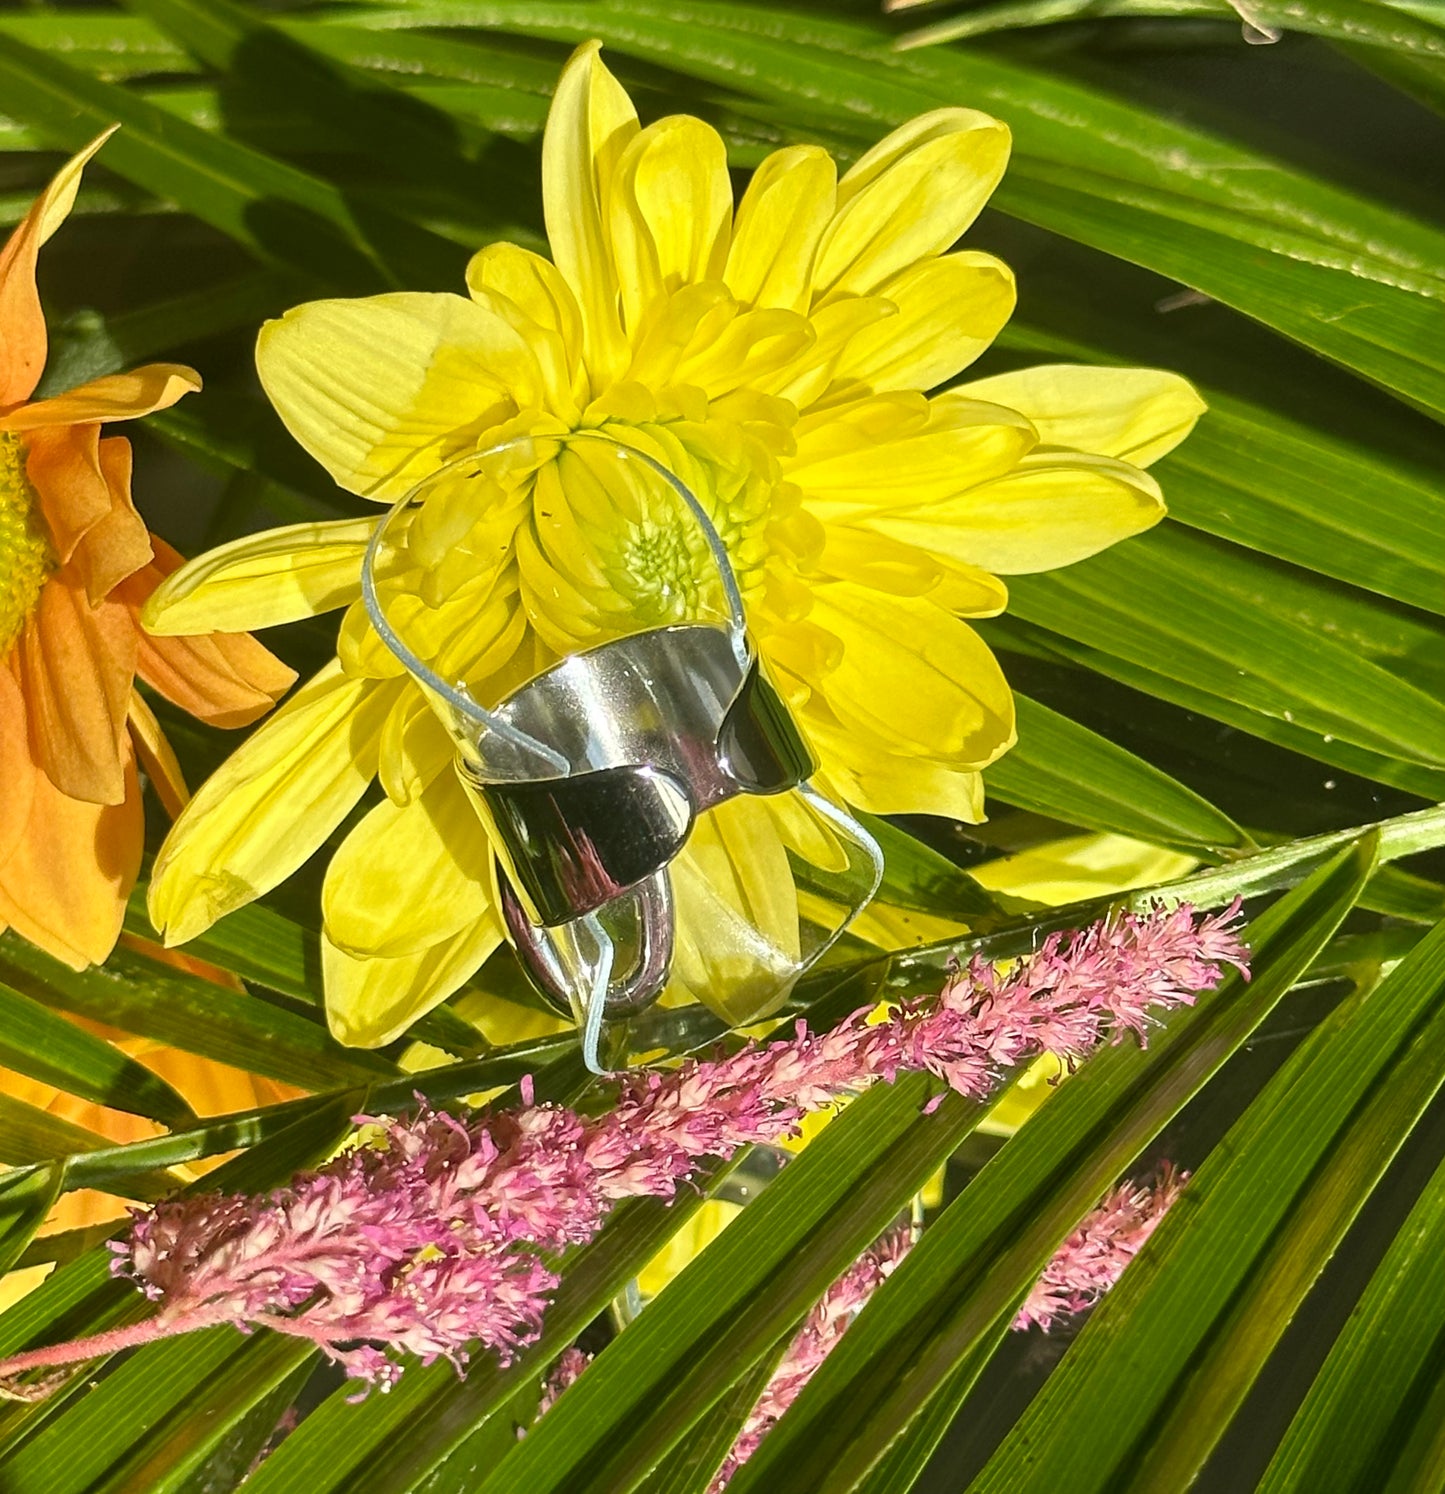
{"x":27,"y":558}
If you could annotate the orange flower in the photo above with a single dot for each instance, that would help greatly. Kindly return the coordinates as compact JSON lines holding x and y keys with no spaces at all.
{"x":76,"y":565}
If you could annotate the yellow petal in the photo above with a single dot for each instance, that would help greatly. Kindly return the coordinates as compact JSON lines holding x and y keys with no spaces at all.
{"x":888,"y":927}
{"x":408,"y":877}
{"x":967,"y":591}
{"x":909,"y":198}
{"x":1024,"y":1096}
{"x":1083,"y":866}
{"x":864,"y":773}
{"x":566,"y":618}
{"x":263,"y":579}
{"x":122,"y":396}
{"x":669,"y":212}
{"x":878,"y":563}
{"x":809,"y":377}
{"x":383,"y":390}
{"x":964,"y":442}
{"x":486,"y":641}
{"x":53,"y":206}
{"x":805,"y":833}
{"x":737,"y":912}
{"x":462,"y":534}
{"x":703,"y":1226}
{"x":841,"y":430}
{"x":533,"y":284}
{"x":270,"y":804}
{"x":360,"y":648}
{"x":949,"y":311}
{"x":700,"y":336}
{"x":914,"y":677}
{"x":1136,"y":414}
{"x":788,"y":204}
{"x":756,"y":347}
{"x":1051,"y":511}
{"x":800,"y":649}
{"x":589,"y":125}
{"x":371,"y":1001}
{"x":693,"y":316}
{"x":502,"y":1022}
{"x":882,"y":564}
{"x":414,"y":748}
{"x":532,"y":295}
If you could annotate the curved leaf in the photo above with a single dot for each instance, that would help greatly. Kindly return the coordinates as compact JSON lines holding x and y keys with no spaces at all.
{"x":1381,"y":1374}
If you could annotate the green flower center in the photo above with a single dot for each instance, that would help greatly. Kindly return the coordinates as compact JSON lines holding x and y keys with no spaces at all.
{"x":666,"y":567}
{"x":27,"y":558}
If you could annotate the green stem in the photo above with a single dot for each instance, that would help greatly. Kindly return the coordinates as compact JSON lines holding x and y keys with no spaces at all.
{"x":1250,"y":875}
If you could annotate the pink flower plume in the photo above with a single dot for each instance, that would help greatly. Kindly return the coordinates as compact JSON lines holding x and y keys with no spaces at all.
{"x":440,"y":1234}
{"x":1094,"y":1256}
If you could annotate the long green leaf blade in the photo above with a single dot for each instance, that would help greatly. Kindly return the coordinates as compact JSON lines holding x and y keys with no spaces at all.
{"x":1336,"y":272}
{"x":25,"y":1199}
{"x":199,"y":1016}
{"x":1380,"y":1374}
{"x":739,"y":1299}
{"x":36,"y":1042}
{"x":1070,"y":773}
{"x":281,"y":214}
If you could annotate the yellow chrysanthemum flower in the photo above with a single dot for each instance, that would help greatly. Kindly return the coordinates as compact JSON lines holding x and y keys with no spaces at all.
{"x":777,"y":358}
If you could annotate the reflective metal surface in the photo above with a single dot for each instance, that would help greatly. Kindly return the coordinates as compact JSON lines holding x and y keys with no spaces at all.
{"x":553,"y":956}
{"x":572,"y":844}
{"x":655,"y":730}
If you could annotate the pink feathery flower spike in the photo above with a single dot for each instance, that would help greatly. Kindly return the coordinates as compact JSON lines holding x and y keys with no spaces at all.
{"x":437,"y":1236}
{"x":1090,"y":1262}
{"x":1086,"y":1266}
{"x":818,"y":1337}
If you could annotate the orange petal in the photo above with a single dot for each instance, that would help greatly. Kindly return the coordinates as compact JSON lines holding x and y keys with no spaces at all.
{"x":65,"y":884}
{"x":22,"y":323}
{"x":210,"y":1087}
{"x":223,"y":679}
{"x":226,"y":679}
{"x":76,"y":667}
{"x":121,"y":396}
{"x":16,"y":769}
{"x":83,"y":484}
{"x":157,"y":756}
{"x":119,"y":545}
